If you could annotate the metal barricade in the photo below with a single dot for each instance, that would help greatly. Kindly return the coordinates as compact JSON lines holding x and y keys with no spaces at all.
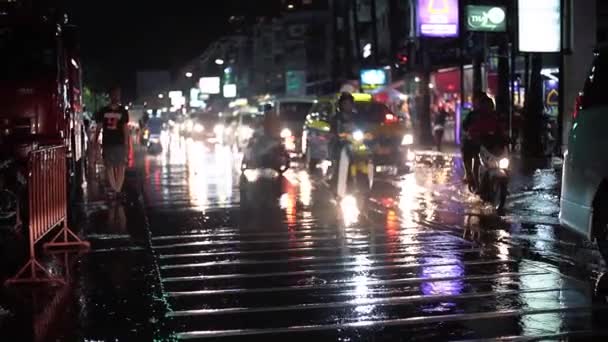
{"x":47,"y":209}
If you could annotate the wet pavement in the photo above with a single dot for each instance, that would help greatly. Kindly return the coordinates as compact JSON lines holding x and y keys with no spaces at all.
{"x":183,"y":258}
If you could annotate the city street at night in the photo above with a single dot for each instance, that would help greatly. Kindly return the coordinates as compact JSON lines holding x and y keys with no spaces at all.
{"x":425,"y":261}
{"x":303,"y":170}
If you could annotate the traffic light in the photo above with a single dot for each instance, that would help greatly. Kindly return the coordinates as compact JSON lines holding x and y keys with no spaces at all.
{"x":402,"y":58}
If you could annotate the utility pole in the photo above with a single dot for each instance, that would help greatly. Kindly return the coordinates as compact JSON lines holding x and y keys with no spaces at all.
{"x":502,"y":96}
{"x":424,"y":104}
{"x":534,"y":109}
{"x":375,"y":47}
{"x":356,"y":32}
{"x":478,"y":59}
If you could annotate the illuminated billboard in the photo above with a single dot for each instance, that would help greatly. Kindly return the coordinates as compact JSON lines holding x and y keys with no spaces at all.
{"x":229,"y":90}
{"x":437,"y":18}
{"x":539,"y":25}
{"x":373,"y":78}
{"x":209,"y":85}
{"x":486,"y":18}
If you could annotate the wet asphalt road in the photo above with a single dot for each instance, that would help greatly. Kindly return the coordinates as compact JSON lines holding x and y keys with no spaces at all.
{"x":183,"y":259}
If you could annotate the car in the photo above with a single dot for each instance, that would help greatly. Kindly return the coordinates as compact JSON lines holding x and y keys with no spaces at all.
{"x":393,"y":152}
{"x":207,"y":127}
{"x":292,"y":112}
{"x":584,"y":193}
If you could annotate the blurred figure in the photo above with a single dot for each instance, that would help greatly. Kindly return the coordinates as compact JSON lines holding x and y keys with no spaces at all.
{"x":441,"y":118}
{"x":481,"y":123}
{"x":113,"y":121}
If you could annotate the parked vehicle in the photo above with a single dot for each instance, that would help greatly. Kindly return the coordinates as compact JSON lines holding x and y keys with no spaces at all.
{"x":584,"y":197}
{"x":40,"y":64}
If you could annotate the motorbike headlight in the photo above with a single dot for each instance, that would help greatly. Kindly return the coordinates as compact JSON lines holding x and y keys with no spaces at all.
{"x":358,"y":136}
{"x":503,"y":163}
{"x":251,"y":175}
{"x":285,"y":133}
{"x":246,"y":132}
{"x":408,"y":139}
{"x":198,"y":128}
{"x":218,"y":129}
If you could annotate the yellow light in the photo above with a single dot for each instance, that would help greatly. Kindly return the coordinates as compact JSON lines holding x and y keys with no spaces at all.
{"x":362,"y":97}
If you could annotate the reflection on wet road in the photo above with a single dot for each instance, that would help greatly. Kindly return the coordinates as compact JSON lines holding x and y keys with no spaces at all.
{"x":427,"y":260}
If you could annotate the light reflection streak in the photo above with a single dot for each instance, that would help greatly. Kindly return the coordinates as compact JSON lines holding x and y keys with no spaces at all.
{"x":407,"y":198}
{"x":197,"y":176}
{"x":288,"y":203}
{"x":447,"y":287}
{"x":350,"y":210}
{"x":305,"y":188}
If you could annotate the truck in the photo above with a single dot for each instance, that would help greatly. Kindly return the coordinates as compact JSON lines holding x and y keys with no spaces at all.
{"x":40,"y":96}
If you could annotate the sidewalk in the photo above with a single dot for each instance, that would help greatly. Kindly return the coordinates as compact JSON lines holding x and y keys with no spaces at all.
{"x":112,"y":292}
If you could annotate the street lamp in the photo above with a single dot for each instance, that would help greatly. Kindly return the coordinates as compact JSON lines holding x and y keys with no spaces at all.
{"x":219,"y":61}
{"x":160,"y":96}
{"x":189,"y":74}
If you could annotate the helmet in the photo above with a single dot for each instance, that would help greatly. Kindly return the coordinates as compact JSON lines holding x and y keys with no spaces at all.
{"x":346,"y":97}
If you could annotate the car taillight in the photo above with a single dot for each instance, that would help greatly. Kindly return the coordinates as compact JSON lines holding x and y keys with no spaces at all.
{"x":577,"y":106}
{"x":390,"y":118}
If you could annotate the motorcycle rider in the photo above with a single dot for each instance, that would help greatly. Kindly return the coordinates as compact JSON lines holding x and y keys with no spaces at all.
{"x":341,"y":122}
{"x":480,"y":125}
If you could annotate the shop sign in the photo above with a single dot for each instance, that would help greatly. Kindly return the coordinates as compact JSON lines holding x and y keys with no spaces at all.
{"x":437,"y":18}
{"x":373,"y":78}
{"x":295,"y":82}
{"x":486,"y":18}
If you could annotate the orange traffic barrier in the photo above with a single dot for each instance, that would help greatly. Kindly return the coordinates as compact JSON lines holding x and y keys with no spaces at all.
{"x":47,"y":210}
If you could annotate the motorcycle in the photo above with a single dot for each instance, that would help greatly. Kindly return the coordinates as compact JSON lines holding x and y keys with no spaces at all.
{"x":355,"y":169}
{"x":264,"y":162}
{"x":492,"y":175}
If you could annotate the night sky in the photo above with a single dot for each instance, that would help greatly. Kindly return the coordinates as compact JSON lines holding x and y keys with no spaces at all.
{"x":120,"y":37}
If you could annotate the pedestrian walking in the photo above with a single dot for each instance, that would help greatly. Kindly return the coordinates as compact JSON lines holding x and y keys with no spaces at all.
{"x":113,"y":121}
{"x":439,"y":126}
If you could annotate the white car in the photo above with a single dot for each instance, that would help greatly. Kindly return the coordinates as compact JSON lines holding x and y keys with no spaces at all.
{"x":584,"y":200}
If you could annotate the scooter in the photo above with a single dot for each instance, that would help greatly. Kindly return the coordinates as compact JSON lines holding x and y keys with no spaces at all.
{"x":492,"y":179}
{"x":264,"y":162}
{"x":153,"y":144}
{"x":355,"y":169}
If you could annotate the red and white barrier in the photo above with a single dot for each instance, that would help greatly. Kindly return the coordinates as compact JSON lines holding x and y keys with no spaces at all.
{"x":47,"y":209}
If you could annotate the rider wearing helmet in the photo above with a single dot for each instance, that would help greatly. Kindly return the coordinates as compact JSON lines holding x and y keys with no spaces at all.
{"x":482,"y":123}
{"x":342,"y":119}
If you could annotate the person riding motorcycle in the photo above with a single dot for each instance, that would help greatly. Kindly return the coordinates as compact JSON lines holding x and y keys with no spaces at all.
{"x":482,"y":126}
{"x":341,"y":122}
{"x":265,"y":138}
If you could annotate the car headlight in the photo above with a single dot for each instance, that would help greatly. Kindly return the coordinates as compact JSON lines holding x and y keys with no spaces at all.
{"x":218,"y":129}
{"x":285,"y":133}
{"x":358,"y":136}
{"x":199,"y":128}
{"x":408,"y":139}
{"x":503,"y":163}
